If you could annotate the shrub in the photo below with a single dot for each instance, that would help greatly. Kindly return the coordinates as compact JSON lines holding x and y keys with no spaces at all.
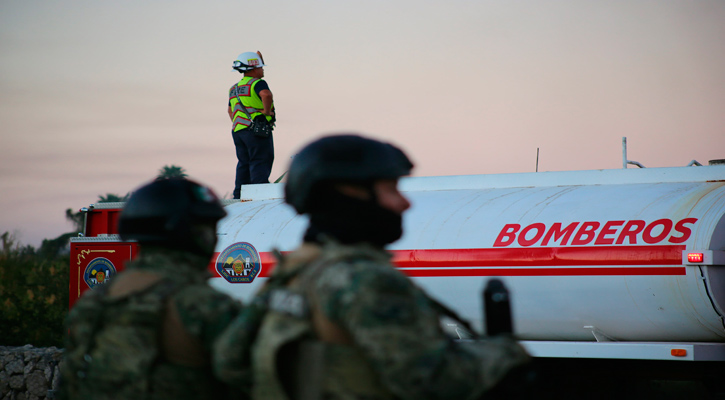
{"x":33,"y":295}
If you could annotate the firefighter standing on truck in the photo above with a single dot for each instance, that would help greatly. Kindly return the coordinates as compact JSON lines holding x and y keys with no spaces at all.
{"x":251,"y":109}
{"x":336,"y":320}
{"x":148,"y":334}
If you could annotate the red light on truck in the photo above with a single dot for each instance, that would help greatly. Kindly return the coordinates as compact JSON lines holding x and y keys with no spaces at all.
{"x":695,"y":257}
{"x":678,"y":352}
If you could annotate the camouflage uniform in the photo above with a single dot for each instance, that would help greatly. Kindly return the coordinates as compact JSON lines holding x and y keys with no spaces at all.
{"x":382,"y":335}
{"x":149,"y":334}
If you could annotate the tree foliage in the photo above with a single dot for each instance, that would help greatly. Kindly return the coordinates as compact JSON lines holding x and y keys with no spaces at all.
{"x":171,"y":172}
{"x":33,"y":294}
{"x":112,"y":198}
{"x":76,"y":218}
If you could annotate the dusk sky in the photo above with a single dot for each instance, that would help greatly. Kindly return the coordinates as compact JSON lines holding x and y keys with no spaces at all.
{"x":97,"y":96}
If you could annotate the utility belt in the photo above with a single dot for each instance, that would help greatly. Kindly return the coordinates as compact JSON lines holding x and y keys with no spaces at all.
{"x":260,"y":127}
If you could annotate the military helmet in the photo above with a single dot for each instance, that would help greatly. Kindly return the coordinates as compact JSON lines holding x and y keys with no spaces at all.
{"x":164,"y":211}
{"x":341,"y":158}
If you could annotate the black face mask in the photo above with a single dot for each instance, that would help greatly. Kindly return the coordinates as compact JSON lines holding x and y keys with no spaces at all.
{"x":350,"y":220}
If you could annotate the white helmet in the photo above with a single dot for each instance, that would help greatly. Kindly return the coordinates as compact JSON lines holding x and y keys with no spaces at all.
{"x":248,"y":61}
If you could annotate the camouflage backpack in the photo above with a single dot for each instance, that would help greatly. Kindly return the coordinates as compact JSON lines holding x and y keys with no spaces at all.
{"x":234,"y":349}
{"x":114,"y":343}
{"x":233,"y":352}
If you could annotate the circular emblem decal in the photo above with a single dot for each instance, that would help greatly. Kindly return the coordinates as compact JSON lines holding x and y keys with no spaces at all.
{"x":239,"y":263}
{"x":98,"y":272}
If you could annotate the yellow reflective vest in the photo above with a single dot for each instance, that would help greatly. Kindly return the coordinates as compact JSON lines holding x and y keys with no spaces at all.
{"x":243,"y":95}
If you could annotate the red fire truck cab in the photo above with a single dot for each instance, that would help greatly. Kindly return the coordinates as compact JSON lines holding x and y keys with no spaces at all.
{"x":99,"y":254}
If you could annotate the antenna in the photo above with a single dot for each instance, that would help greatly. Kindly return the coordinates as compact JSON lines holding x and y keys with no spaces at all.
{"x":537,"y":159}
{"x":624,"y":155}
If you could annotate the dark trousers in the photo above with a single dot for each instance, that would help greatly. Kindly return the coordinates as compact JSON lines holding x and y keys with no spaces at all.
{"x":255,"y":156}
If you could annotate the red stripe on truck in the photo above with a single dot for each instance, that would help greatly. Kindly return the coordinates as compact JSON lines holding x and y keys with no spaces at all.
{"x":600,"y":271}
{"x":542,"y":261}
{"x":529,"y":261}
{"x":540,"y":256}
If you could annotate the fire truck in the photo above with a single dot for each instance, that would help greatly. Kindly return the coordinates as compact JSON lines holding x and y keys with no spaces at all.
{"x":613,"y":274}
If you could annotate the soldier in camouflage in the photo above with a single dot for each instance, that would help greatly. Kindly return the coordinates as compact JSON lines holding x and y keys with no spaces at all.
{"x":148,"y":334}
{"x":337,"y":320}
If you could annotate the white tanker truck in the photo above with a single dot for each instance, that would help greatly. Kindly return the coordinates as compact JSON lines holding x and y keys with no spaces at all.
{"x":613,"y":274}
